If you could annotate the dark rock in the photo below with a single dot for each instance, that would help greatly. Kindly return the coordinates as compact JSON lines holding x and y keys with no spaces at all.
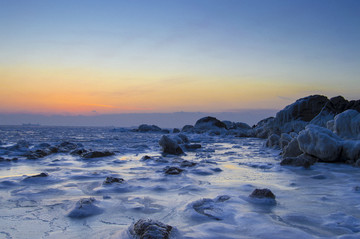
{"x":170,"y":146}
{"x":208,"y":123}
{"x":188,"y":128}
{"x":173,"y":170}
{"x":300,"y":161}
{"x":187,"y":163}
{"x":8,"y":159}
{"x":292,"y":149}
{"x":97,"y":154}
{"x":150,"y":229}
{"x":262,"y":193}
{"x":148,"y":128}
{"x":110,"y":180}
{"x":79,"y":151}
{"x":176,"y":130}
{"x":273,"y":141}
{"x":146,"y":157}
{"x":41,"y":175}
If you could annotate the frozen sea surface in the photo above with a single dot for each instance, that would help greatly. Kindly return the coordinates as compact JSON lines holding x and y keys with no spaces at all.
{"x":321,"y":202}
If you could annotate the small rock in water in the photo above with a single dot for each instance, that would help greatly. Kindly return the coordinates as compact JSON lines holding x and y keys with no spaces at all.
{"x":41,"y":175}
{"x":262,"y":193}
{"x":78,"y":152}
{"x":146,"y":157}
{"x":176,"y":130}
{"x":110,"y":180}
{"x":150,"y":229}
{"x":84,"y":208}
{"x":97,"y":154}
{"x":173,"y":170}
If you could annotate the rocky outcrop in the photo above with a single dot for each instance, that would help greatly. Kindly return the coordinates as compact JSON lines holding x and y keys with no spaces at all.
{"x":304,"y":109}
{"x":150,"y":229}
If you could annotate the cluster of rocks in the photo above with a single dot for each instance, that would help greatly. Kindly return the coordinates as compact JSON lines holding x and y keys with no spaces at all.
{"x":23,"y":149}
{"x":313,"y":129}
{"x":214,"y":126}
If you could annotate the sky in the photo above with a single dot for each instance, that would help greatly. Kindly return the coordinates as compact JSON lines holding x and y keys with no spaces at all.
{"x":145,"y":56}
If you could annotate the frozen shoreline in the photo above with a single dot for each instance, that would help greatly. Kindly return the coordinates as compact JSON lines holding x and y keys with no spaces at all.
{"x":310,"y":203}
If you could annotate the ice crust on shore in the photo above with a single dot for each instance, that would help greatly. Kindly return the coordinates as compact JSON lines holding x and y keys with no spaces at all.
{"x":326,"y":204}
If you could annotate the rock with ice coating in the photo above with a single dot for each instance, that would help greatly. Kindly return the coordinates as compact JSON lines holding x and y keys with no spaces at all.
{"x":150,"y":229}
{"x":350,"y":151}
{"x":273,"y":141}
{"x":284,"y":140}
{"x":211,"y":208}
{"x":292,"y":149}
{"x":262,"y":193}
{"x":188,"y":129}
{"x":347,"y":124}
{"x":66,"y":146}
{"x":85,"y":207}
{"x":320,"y":143}
{"x":170,"y":145}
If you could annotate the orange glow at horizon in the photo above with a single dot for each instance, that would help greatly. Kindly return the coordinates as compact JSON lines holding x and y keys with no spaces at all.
{"x":83,"y":91}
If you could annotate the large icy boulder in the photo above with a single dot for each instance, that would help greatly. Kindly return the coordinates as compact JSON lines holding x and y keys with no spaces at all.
{"x":347,"y":124}
{"x":320,"y":143}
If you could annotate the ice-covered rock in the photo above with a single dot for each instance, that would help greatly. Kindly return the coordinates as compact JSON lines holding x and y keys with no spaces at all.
{"x":347,"y":124}
{"x":187,"y":163}
{"x":320,"y":143}
{"x":150,"y":229}
{"x":169,"y":145}
{"x":273,"y":141}
{"x":323,"y":117}
{"x":292,"y":149}
{"x":284,"y":140}
{"x":85,"y":207}
{"x":350,"y":151}
{"x":210,"y":125}
{"x":97,"y":154}
{"x":262,"y":193}
{"x":266,"y":127}
{"x":211,"y":208}
{"x":176,"y":130}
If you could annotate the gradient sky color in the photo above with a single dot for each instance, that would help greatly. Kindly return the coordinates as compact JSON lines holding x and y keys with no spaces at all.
{"x":95,"y":57}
